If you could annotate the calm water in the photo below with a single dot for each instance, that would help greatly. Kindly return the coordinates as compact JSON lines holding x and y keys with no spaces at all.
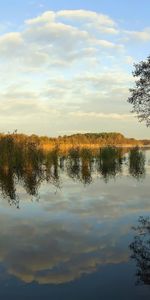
{"x":71,"y":236}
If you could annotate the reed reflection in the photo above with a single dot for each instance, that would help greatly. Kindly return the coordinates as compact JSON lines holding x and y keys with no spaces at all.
{"x":52,"y":169}
{"x":109,"y":162}
{"x":73,"y":164}
{"x":136,"y":163}
{"x":8,"y":186}
{"x":27,"y":164}
{"x":79,"y":165}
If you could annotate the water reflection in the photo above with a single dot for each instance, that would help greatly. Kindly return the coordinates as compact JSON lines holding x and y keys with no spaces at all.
{"x":8,"y":186}
{"x":79,"y":165}
{"x":81,"y":232}
{"x":140,"y":249}
{"x":136,"y":163}
{"x":55,"y":251}
{"x":69,"y":237}
{"x":30,"y":166}
{"x":110,"y":162}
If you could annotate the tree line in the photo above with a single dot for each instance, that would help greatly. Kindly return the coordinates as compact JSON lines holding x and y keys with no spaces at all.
{"x":91,"y":140}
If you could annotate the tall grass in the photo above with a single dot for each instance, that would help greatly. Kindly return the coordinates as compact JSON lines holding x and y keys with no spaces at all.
{"x":25,"y":162}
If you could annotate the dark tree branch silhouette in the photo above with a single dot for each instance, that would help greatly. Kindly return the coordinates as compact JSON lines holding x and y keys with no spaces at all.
{"x":140,"y":95}
{"x":140,"y":250}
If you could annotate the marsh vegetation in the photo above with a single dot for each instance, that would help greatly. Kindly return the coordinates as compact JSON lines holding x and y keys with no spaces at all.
{"x":25,"y":162}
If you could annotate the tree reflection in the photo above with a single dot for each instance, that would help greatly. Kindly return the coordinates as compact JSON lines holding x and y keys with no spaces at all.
{"x":140,"y":249}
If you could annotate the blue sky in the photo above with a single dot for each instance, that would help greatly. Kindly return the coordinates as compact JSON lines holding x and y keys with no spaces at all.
{"x":133,"y":13}
{"x":66,"y":65}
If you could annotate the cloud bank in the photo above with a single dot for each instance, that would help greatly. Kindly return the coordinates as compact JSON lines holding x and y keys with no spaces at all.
{"x":62,"y":64}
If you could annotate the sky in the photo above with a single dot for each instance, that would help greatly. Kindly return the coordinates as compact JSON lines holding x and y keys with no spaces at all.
{"x":66,"y":66}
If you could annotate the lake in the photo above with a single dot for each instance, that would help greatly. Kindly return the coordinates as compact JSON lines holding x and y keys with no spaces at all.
{"x":76,"y":230}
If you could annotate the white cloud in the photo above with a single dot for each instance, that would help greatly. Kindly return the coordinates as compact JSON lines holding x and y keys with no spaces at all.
{"x":11,"y":44}
{"x":48,"y":16}
{"x":90,"y":20}
{"x":110,"y":78}
{"x":73,"y":62}
{"x":143,"y":35}
{"x":113,"y":116}
{"x":52,"y":38}
{"x":86,"y":16}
